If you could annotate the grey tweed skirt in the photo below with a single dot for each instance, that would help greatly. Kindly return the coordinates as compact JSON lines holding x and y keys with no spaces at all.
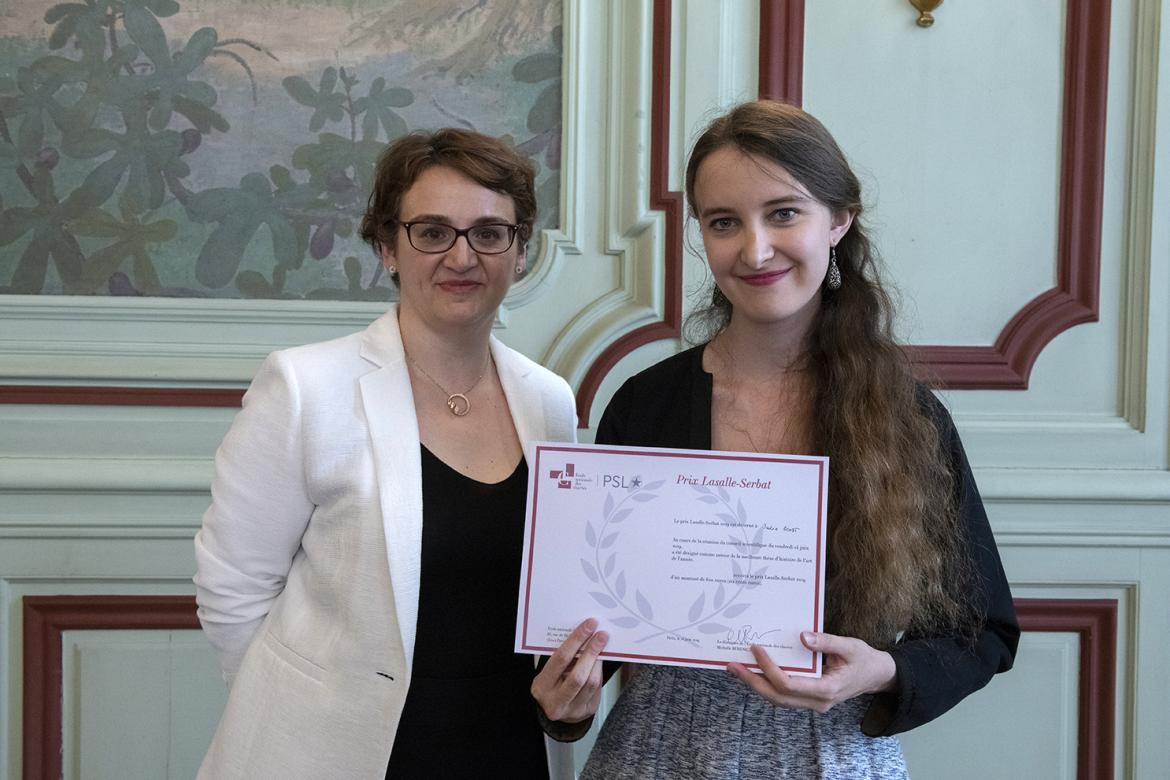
{"x":673,"y":722}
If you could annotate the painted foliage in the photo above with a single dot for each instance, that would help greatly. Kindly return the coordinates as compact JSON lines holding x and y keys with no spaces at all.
{"x":225,"y":148}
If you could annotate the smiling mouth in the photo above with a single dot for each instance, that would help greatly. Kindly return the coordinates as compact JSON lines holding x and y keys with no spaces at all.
{"x":766,"y":278}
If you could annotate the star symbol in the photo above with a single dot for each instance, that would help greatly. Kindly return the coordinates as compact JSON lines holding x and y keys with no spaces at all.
{"x":636,"y":482}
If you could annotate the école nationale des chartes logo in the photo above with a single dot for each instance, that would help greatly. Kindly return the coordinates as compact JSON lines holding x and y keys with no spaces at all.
{"x":564,"y":477}
{"x":569,"y":478}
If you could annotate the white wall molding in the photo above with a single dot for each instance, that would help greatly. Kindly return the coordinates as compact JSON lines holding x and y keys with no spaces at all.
{"x":120,"y":571}
{"x":1122,"y":486}
{"x":632,"y":234}
{"x":1138,"y":254}
{"x":96,"y":339}
{"x":105,"y":475}
{"x":1075,"y":532}
{"x":1062,"y":442}
{"x":557,"y":245}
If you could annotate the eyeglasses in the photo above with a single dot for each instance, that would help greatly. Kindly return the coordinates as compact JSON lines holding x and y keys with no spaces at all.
{"x":435,"y":237}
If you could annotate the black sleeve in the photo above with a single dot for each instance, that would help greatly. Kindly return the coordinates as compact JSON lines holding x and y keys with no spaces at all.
{"x":936,"y":673}
{"x":561,"y":731}
{"x":611,"y":429}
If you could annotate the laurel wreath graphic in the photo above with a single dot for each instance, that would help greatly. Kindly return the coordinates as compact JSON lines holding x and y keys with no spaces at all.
{"x":639,"y":610}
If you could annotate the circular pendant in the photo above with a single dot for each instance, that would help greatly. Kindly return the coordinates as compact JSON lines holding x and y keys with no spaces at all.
{"x":458,"y":404}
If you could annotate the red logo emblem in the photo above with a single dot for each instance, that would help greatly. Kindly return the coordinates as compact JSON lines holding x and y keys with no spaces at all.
{"x":564,"y":477}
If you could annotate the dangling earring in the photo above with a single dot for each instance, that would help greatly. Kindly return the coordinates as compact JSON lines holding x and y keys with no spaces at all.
{"x":834,"y":282}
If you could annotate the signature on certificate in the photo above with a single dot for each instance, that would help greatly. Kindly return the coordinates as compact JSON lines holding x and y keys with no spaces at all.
{"x":746,"y":635}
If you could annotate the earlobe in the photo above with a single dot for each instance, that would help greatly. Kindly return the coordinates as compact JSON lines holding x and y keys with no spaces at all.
{"x":387,"y":258}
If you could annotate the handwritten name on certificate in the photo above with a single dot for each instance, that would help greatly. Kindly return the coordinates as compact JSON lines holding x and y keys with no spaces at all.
{"x":685,"y":557}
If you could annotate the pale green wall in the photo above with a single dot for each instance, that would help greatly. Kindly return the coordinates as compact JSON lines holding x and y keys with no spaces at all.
{"x":1075,"y":471}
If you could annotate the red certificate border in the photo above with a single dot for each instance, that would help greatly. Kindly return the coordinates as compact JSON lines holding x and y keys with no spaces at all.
{"x":652,"y":452}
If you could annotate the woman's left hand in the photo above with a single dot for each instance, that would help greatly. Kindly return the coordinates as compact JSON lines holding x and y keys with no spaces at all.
{"x":568,"y":688}
{"x":851,"y":668}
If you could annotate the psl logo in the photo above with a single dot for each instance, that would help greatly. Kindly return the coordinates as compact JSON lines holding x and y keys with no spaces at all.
{"x":563,"y":477}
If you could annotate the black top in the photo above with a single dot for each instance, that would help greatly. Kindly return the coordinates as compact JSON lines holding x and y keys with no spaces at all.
{"x":669,"y":405}
{"x":469,"y":712}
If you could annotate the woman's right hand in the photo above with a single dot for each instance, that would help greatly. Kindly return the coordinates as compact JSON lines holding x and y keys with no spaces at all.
{"x":568,"y":688}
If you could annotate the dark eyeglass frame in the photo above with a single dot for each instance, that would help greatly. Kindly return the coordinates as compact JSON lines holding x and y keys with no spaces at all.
{"x":465,"y":232}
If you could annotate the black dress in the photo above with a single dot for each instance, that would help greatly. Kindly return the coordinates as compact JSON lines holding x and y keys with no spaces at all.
{"x":469,"y":712}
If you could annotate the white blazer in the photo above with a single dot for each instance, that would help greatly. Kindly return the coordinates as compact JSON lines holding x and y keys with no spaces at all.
{"x":308,"y":559}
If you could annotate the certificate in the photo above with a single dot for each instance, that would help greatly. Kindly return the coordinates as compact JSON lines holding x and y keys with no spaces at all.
{"x":685,"y":557}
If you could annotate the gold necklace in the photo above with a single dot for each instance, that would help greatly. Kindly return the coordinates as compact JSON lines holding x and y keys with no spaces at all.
{"x":456,"y":402}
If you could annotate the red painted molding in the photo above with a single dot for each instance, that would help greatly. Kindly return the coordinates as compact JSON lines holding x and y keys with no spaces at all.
{"x":1008,"y":363}
{"x":662,"y":198}
{"x":119,"y":396}
{"x":782,"y":50}
{"x":45,"y":619}
{"x":1095,"y":620}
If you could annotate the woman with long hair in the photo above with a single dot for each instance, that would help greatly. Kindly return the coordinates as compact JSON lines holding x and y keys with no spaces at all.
{"x":798,"y":356}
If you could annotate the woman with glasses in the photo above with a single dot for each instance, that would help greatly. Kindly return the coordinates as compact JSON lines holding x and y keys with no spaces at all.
{"x":357,"y":568}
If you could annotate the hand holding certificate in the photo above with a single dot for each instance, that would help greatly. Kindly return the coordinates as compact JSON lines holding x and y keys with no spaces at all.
{"x":684,"y":557}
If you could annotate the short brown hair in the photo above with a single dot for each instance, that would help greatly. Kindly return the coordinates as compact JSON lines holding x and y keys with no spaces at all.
{"x":490,"y":162}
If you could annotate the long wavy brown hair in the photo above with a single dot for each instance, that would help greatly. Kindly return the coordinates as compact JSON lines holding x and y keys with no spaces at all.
{"x":897,"y":557}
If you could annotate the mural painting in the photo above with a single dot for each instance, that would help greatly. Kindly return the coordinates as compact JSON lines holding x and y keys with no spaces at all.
{"x":225,"y":148}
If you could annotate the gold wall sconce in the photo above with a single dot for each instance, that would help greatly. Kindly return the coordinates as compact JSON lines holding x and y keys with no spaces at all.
{"x":925,"y":18}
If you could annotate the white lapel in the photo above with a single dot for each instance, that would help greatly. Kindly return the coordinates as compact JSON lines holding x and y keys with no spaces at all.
{"x":540,"y":403}
{"x":394,"y":438}
{"x":525,"y":401}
